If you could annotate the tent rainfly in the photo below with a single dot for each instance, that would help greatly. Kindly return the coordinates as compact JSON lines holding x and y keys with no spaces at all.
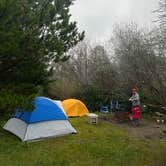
{"x":74,"y":107}
{"x":48,"y":119}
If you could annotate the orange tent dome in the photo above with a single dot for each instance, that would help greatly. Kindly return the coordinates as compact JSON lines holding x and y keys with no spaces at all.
{"x":74,"y":107}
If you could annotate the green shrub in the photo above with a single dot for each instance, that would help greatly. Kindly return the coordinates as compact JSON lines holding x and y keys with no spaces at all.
{"x":93,"y":97}
{"x":14,"y":97}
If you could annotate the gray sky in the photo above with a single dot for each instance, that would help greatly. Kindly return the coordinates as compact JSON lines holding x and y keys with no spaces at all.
{"x":97,"y":17}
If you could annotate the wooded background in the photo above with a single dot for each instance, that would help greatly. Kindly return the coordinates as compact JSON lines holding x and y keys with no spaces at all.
{"x":41,"y":54}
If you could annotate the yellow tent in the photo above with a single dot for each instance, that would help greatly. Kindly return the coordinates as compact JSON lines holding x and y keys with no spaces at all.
{"x":74,"y":107}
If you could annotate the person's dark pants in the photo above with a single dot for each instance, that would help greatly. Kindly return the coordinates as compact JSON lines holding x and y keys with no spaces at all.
{"x":136,"y":121}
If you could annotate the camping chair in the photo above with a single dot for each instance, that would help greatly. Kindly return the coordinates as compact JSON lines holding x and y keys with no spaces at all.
{"x":114,"y":105}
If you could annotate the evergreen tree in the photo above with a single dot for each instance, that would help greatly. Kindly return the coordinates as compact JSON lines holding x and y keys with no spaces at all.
{"x":34,"y":33}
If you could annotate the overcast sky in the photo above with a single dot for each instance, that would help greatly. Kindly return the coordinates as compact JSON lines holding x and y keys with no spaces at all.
{"x":97,"y":17}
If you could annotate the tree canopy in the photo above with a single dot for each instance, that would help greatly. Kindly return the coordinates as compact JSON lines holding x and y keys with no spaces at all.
{"x":34,"y":33}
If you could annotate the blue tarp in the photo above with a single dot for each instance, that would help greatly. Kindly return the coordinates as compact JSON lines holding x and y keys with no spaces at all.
{"x":45,"y":109}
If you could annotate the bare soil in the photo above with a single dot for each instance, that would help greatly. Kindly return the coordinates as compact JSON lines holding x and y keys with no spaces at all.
{"x":148,"y":129}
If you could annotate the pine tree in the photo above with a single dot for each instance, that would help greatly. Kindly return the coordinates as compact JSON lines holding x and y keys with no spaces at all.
{"x":34,"y":33}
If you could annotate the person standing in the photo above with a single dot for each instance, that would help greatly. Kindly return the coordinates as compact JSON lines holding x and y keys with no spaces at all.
{"x":136,"y":109}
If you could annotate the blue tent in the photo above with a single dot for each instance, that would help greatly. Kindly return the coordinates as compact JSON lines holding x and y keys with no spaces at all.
{"x":48,"y":119}
{"x":45,"y":109}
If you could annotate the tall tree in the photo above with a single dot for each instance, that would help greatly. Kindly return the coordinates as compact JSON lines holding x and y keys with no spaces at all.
{"x":34,"y":33}
{"x":141,"y":61}
{"x":162,"y":13}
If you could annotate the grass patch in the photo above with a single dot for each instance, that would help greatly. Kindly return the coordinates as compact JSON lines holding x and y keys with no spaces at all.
{"x":99,"y":145}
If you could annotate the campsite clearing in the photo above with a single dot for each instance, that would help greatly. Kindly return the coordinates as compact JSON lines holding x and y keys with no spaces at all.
{"x":102,"y":144}
{"x":148,"y":129}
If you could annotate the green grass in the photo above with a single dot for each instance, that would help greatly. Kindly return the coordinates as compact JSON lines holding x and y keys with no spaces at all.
{"x":94,"y":145}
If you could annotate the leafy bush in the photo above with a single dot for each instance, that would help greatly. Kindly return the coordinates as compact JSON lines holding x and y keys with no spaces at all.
{"x":17,"y":97}
{"x":94,"y":98}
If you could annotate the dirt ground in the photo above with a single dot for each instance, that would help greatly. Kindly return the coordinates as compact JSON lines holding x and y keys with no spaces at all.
{"x":148,"y":129}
